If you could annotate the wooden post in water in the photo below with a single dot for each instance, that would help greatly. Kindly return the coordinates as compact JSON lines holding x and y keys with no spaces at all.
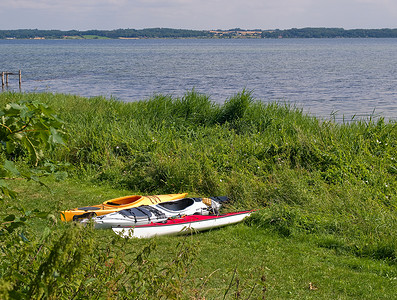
{"x":4,"y":78}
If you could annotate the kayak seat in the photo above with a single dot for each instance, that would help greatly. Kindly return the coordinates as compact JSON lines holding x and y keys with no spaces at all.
{"x":177,"y":205}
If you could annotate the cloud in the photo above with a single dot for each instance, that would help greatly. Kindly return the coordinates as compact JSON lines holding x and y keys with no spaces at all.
{"x":374,"y":1}
{"x":196,"y":14}
{"x":62,"y":5}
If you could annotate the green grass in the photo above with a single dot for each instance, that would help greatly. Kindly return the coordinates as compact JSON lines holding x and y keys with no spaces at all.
{"x":285,"y":266}
{"x":326,"y":192}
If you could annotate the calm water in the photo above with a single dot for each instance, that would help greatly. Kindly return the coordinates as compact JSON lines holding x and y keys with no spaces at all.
{"x":323,"y":76}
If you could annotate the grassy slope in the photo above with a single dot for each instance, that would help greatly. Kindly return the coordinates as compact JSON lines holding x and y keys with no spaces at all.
{"x":327,"y":192}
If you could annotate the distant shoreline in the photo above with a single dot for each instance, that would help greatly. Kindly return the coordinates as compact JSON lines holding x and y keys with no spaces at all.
{"x":309,"y":32}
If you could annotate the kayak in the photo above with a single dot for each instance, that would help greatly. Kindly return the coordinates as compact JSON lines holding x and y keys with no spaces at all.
{"x":116,"y":204}
{"x":186,"y":224}
{"x":159,"y":212}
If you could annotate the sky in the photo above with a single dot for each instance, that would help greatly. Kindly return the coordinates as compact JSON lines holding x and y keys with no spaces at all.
{"x":196,"y":14}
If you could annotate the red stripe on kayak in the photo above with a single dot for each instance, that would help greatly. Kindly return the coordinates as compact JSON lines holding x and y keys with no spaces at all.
{"x":190,"y":219}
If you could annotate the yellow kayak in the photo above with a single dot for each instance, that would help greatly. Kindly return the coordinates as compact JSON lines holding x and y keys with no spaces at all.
{"x":116,"y":204}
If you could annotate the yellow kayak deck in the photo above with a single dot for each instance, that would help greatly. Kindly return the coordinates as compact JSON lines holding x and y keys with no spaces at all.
{"x":116,"y":204}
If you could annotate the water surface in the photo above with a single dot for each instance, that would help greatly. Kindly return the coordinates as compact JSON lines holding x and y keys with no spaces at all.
{"x":349,"y":77}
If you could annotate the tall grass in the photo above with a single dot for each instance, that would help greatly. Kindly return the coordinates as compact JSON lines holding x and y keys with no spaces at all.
{"x":333,"y":182}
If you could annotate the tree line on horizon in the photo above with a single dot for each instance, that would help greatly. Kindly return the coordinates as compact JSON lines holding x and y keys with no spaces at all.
{"x":330,"y":33}
{"x":309,"y":32}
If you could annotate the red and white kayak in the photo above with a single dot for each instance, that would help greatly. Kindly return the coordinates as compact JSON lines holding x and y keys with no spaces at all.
{"x":186,"y":224}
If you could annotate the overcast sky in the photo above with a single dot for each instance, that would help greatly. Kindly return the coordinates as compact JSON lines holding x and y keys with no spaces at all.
{"x":196,"y":14}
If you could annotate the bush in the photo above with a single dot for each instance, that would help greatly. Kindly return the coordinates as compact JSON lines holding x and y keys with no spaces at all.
{"x":71,"y":261}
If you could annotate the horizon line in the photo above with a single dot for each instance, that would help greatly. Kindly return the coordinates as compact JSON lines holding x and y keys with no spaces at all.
{"x":218,"y":29}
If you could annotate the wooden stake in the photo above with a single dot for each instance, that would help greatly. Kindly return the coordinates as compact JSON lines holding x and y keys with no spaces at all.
{"x":4,"y":78}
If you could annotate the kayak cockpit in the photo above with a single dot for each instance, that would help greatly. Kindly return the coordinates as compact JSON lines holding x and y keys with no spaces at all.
{"x":123,"y":201}
{"x":177,"y":205}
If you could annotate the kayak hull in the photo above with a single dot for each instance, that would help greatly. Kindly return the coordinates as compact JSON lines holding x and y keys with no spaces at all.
{"x":117,"y":204}
{"x":187,"y":224}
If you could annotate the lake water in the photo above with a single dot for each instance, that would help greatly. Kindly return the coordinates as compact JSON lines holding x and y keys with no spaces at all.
{"x":349,"y":77}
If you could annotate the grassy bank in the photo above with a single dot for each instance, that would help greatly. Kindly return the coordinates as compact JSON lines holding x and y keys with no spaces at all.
{"x":326,"y":192}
